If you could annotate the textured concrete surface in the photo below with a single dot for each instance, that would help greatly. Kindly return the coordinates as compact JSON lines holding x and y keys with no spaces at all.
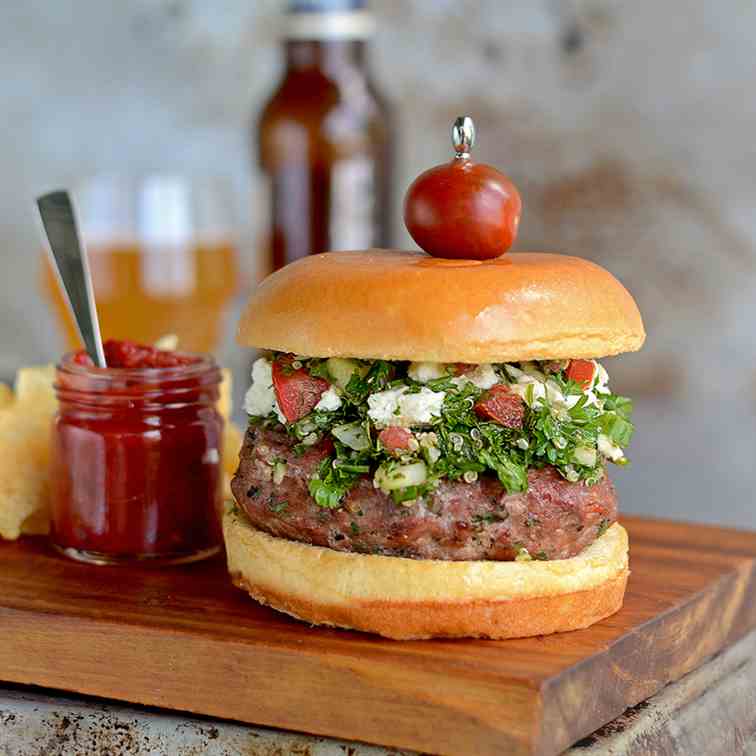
{"x":710,"y":712}
{"x":628,"y":126}
{"x":34,"y":724}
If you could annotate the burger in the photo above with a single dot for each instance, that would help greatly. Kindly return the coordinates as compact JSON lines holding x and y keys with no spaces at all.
{"x":429,"y":442}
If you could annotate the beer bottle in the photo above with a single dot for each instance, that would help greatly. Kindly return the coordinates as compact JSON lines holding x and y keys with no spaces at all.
{"x":324,"y":136}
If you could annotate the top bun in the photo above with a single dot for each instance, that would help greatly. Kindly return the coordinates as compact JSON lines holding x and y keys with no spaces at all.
{"x":384,"y":304}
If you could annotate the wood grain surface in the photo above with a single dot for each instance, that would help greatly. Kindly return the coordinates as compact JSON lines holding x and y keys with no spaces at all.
{"x":186,"y":639}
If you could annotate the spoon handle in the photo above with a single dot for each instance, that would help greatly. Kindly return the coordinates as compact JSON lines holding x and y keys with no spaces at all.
{"x":70,"y":261}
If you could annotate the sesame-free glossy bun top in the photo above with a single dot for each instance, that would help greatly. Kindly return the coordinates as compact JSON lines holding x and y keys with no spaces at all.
{"x":393,"y":305}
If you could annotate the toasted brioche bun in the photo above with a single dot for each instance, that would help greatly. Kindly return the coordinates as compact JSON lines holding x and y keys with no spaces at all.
{"x":384,"y":304}
{"x":416,"y":598}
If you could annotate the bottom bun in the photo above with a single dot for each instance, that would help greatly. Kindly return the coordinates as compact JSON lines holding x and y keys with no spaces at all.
{"x":415,"y":598}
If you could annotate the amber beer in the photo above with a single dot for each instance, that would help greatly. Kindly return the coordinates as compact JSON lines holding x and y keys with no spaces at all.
{"x":323,"y":137}
{"x":146,"y":291}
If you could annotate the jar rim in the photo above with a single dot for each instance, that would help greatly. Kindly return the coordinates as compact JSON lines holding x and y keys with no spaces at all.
{"x":177,"y":384}
{"x":204,"y":364}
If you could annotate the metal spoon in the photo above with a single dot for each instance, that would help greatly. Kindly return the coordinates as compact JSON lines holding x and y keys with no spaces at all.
{"x":70,"y":262}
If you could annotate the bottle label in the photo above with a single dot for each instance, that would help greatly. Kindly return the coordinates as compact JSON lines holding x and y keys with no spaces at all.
{"x":352,"y":205}
{"x":357,"y":24}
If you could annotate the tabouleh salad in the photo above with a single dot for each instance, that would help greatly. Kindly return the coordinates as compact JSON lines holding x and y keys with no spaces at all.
{"x":410,"y":425}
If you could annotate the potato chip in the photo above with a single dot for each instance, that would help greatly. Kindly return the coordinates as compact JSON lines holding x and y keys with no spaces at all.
{"x":24,"y":452}
{"x":35,"y":384}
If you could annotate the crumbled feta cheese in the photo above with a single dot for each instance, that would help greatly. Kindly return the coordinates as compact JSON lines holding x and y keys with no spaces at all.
{"x":398,"y":407}
{"x":546,"y":389}
{"x":600,"y":379}
{"x":554,"y":394}
{"x":422,"y":372}
{"x":521,"y":389}
{"x":608,"y":448}
{"x":571,"y":400}
{"x":599,"y":385}
{"x":484,"y":376}
{"x":531,"y":376}
{"x":260,"y":399}
{"x":329,"y":400}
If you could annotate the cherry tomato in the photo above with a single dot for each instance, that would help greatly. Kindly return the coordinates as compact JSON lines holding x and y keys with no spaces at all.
{"x":297,"y":392}
{"x":463,"y":210}
{"x":581,"y":371}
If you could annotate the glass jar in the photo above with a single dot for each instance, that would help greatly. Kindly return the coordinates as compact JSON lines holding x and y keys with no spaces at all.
{"x":136,"y":463}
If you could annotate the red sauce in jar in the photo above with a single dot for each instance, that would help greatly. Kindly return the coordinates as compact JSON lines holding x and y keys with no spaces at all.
{"x":129,"y":354}
{"x":135,"y":465}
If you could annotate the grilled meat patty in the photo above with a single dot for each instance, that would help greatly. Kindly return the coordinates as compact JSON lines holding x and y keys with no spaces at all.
{"x":553,"y":519}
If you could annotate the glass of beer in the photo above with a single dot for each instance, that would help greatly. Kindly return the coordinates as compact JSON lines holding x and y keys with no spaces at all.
{"x":163,"y":256}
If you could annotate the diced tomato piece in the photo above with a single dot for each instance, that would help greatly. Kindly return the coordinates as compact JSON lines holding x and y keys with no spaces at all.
{"x":296,"y":390}
{"x":463,"y":368}
{"x":502,"y":406}
{"x":581,"y":371}
{"x":396,"y":439}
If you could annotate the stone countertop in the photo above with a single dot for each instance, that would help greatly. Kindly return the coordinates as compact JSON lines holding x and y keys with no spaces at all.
{"x":709,"y":712}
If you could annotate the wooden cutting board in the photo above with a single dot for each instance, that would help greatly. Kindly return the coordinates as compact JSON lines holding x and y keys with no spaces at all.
{"x":186,"y":639}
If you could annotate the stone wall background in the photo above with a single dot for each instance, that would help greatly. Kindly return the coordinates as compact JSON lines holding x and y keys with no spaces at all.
{"x":629,"y":128}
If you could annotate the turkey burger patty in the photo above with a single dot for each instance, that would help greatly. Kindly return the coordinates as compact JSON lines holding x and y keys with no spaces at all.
{"x":433,"y":461}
